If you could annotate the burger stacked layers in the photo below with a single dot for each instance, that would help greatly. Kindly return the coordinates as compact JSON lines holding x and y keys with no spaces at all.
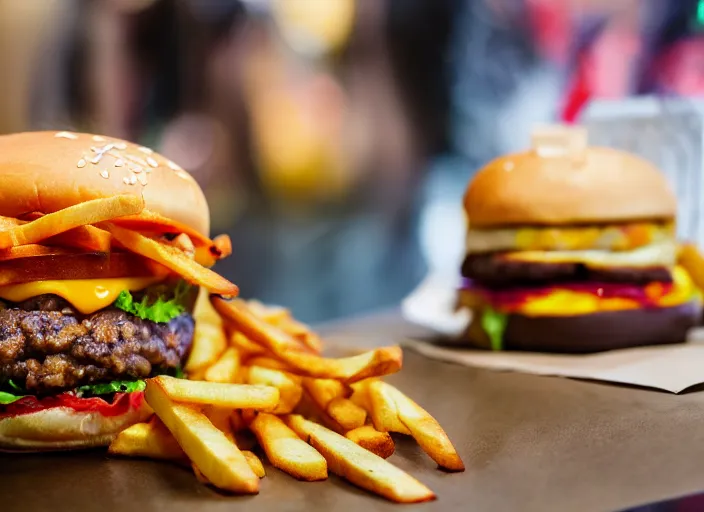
{"x":572,"y":249}
{"x":103,"y":247}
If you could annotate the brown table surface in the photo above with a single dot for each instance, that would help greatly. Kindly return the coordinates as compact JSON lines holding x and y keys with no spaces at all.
{"x":529,"y":443}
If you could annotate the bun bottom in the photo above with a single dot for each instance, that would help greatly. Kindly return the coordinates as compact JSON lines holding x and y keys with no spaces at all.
{"x":596,"y":332}
{"x":62,"y":428}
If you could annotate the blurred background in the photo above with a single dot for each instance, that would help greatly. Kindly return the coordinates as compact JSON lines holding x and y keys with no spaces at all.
{"x":334,"y":138}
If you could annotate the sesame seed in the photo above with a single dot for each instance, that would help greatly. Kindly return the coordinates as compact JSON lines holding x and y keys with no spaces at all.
{"x":81,"y":163}
{"x":120,"y":145}
{"x":152,"y":162}
{"x":96,"y":159}
{"x":126,"y":180}
{"x":133,"y":180}
{"x":142,"y":178}
{"x":146,"y":150}
{"x":136,"y":160}
{"x":136,"y":169}
{"x":119,"y":162}
{"x":98,"y":138}
{"x":183,"y":174}
{"x":105,"y":174}
{"x":174,"y":166}
{"x":66,"y":135}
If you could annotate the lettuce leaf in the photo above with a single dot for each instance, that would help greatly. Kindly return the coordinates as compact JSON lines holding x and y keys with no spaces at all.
{"x":8,"y":398}
{"x":162,"y":310}
{"x":116,"y":386}
{"x":494,"y":324}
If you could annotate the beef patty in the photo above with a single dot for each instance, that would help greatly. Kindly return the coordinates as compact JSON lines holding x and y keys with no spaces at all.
{"x":494,"y":270}
{"x":48,"y":347}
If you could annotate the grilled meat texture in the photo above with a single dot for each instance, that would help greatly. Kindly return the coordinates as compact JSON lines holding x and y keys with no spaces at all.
{"x":47,"y":347}
{"x":494,"y":270}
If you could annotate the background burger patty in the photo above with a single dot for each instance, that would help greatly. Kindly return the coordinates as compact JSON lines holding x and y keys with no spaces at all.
{"x":48,"y":347}
{"x":492,"y":269}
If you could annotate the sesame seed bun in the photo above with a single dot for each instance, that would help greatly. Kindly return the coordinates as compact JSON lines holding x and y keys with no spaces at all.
{"x":62,"y":428}
{"x":601,"y":186}
{"x":48,"y":171}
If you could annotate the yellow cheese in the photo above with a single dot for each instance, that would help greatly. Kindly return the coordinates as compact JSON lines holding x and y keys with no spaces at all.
{"x":86,"y":295}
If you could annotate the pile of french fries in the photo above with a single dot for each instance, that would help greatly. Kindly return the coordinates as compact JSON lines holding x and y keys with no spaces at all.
{"x":257,"y":382}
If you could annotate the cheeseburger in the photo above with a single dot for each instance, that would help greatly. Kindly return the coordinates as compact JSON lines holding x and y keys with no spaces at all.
{"x":572,"y":249}
{"x":103,"y":248}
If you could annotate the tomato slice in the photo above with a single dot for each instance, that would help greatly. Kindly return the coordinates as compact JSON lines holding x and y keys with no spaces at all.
{"x":77,"y":266}
{"x":121,"y":404}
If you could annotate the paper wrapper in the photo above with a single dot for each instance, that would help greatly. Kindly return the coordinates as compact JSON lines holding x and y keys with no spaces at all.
{"x":672,"y":368}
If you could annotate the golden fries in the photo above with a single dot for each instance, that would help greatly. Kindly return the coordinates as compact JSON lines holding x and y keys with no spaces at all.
{"x":254,"y":463}
{"x":245,"y":346}
{"x":234,"y":396}
{"x":209,"y":340}
{"x":289,"y":386}
{"x":359,"y":466}
{"x":83,"y":237}
{"x":152,"y":440}
{"x":254,"y":328}
{"x":345,"y":412}
{"x":375,"y":363}
{"x":173,"y":259}
{"x":369,"y":438}
{"x":692,"y":260}
{"x":262,"y":386}
{"x":81,"y":214}
{"x":226,"y":368}
{"x":423,"y":427}
{"x":286,"y":451}
{"x":383,"y":411}
{"x":219,"y":460}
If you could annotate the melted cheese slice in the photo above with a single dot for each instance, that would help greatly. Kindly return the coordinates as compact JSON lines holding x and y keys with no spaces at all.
{"x":86,"y":295}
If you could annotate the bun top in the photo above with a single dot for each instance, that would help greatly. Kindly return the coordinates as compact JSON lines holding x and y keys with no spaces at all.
{"x":561,"y":181}
{"x":48,"y":171}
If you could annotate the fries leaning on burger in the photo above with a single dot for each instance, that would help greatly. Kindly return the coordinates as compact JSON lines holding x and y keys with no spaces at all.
{"x":118,"y":334}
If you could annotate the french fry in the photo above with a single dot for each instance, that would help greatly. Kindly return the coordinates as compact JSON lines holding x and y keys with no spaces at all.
{"x":369,"y":438}
{"x":220,"y":418}
{"x":322,"y":391}
{"x":226,"y":368}
{"x":32,"y":250}
{"x":348,"y":414}
{"x":254,"y":463}
{"x":286,"y":451}
{"x":254,"y":328}
{"x":289,"y":386}
{"x":220,"y":461}
{"x":209,"y":340}
{"x":360,"y":394}
{"x":245,"y":346}
{"x":692,"y":260}
{"x":81,"y":214}
{"x":383,"y":411}
{"x":378,"y":362}
{"x":89,"y":238}
{"x":268,"y":362}
{"x":148,"y":221}
{"x":270,"y":314}
{"x":308,"y":408}
{"x":233,"y":396}
{"x":173,"y":259}
{"x":359,"y":466}
{"x":422,"y":426}
{"x":151,"y":440}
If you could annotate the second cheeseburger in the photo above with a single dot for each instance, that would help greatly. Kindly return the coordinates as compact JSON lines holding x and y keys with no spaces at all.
{"x":572,"y":248}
